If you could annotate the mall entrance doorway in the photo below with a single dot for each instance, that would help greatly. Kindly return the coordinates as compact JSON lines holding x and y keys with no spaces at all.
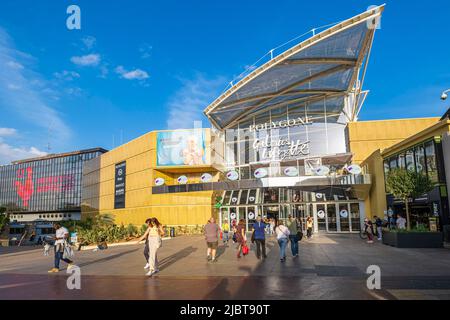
{"x":330,"y":217}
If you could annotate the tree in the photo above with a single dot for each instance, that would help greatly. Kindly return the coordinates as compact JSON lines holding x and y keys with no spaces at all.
{"x":406,"y":184}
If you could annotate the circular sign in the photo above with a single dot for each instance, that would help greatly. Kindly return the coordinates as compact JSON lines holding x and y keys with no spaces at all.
{"x":319,"y":195}
{"x":233,"y":215}
{"x":321,"y":214}
{"x":251,"y":215}
{"x":159,"y":181}
{"x":206,"y":177}
{"x":234,"y":200}
{"x":343,"y":214}
{"x":291,"y":172}
{"x":182,"y":179}
{"x":354,"y":169}
{"x":322,"y":171}
{"x":260,"y":173}
{"x":251,"y":199}
{"x":232,"y":175}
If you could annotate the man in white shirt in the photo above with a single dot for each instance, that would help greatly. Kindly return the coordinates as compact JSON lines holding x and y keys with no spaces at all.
{"x":61,"y":235}
{"x":401,"y":223}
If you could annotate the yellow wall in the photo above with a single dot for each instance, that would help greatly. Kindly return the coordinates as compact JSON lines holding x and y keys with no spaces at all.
{"x":141,"y":171}
{"x":368,"y":139}
{"x":367,"y":136}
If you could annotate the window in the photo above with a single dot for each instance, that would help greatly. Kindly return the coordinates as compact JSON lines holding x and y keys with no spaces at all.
{"x":431,"y":162}
{"x":409,"y":157}
{"x":420,"y":159}
{"x":401,"y":161}
{"x":386,"y":167}
{"x":393,"y":163}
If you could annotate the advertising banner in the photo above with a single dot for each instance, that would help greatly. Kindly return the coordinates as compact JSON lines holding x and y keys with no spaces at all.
{"x":181,"y":148}
{"x":119,"y":185}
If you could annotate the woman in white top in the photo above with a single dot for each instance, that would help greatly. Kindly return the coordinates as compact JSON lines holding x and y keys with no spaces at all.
{"x":154,"y":233}
{"x":282,"y":233}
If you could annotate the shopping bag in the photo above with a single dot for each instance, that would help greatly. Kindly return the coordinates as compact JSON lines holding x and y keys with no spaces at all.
{"x":245,"y":249}
{"x":68,"y":252}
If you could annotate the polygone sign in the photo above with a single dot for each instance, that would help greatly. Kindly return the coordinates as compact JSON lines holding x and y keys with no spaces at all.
{"x":281,"y":124}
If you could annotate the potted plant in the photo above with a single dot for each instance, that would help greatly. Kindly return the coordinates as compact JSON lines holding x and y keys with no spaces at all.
{"x":405,"y":185}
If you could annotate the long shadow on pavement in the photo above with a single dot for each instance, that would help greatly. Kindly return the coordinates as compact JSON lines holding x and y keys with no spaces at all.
{"x":168,"y":261}
{"x":108,"y":258}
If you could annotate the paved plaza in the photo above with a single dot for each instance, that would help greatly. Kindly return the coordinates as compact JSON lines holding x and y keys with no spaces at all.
{"x":329,"y":267}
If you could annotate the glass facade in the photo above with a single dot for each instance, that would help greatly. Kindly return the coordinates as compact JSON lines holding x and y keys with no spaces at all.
{"x":421,"y":158}
{"x":284,"y":137}
{"x":50,"y":184}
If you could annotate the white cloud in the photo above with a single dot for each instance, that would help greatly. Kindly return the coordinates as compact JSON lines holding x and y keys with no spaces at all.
{"x":32,"y":103}
{"x":92,"y":59}
{"x":10,"y":153}
{"x":191,"y":99}
{"x":89,"y":42}
{"x":7,"y":132}
{"x":66,"y":75}
{"x":14,"y":65}
{"x":136,"y":74}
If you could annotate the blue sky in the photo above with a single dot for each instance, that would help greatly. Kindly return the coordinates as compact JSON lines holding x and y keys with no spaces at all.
{"x":137,"y":66}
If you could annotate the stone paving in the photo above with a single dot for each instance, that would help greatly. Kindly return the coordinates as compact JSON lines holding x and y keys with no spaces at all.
{"x":329,"y":267}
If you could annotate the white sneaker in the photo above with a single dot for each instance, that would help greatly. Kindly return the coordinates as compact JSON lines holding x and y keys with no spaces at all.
{"x":150,"y":273}
{"x":147,"y":266}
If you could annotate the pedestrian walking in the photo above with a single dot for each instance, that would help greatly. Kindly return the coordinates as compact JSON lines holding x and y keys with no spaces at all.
{"x":212,"y":240}
{"x":241,"y":237}
{"x":272,"y":226}
{"x":153,"y":235}
{"x":225,"y":231}
{"x":309,"y":227}
{"x":61,"y":246}
{"x":293,"y":227}
{"x":259,"y":237}
{"x":282,"y":233}
{"x":146,"y":249}
{"x":368,"y":228}
{"x":379,"y":225}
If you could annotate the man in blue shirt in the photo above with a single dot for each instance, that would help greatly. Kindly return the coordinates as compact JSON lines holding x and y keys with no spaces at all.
{"x":260,"y":237}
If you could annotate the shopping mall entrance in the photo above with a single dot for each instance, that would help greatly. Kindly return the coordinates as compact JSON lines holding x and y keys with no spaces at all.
{"x":330,"y":217}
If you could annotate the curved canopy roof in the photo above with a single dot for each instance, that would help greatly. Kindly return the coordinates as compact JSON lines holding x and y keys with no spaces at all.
{"x":323,"y":67}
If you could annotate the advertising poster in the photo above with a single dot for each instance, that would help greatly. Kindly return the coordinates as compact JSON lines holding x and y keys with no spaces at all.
{"x":181,"y":148}
{"x":119,"y":185}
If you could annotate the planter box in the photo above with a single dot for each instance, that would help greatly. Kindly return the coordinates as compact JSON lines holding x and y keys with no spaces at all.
{"x":413,"y":239}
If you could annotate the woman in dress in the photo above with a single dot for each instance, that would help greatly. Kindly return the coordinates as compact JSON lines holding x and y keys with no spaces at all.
{"x":241,"y":238}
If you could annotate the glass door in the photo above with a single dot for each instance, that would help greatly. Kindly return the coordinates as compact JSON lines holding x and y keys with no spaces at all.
{"x":355,"y":217}
{"x":344,"y":217}
{"x":234,"y":216}
{"x":251,"y":217}
{"x":320,"y":213}
{"x":331,"y":218}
